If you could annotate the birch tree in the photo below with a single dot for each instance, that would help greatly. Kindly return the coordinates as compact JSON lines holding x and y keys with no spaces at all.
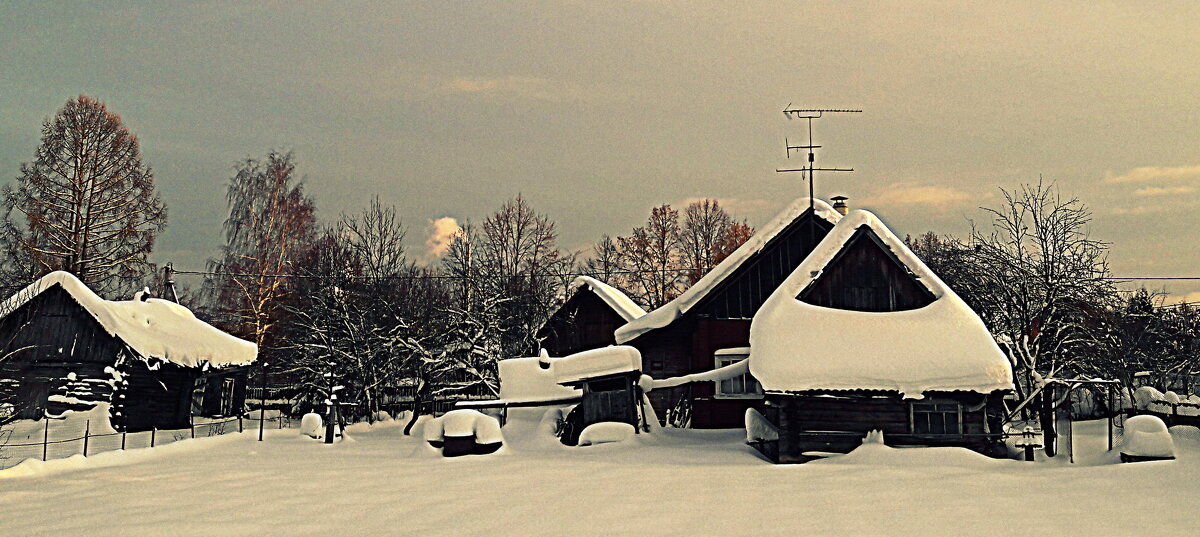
{"x":271,"y":222}
{"x":86,"y":204}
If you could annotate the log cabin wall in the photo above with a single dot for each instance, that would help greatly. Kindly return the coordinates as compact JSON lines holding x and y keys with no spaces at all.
{"x":160,"y":397}
{"x":837,"y":423}
{"x":51,"y":338}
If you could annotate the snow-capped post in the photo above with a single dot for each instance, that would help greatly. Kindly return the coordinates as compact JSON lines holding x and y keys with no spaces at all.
{"x":87,"y":430}
{"x":330,"y":404}
{"x":1029,"y":441}
{"x":262,"y":398}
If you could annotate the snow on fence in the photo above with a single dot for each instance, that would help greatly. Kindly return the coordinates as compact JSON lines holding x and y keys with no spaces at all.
{"x":1169,"y":407}
{"x":50,"y":439}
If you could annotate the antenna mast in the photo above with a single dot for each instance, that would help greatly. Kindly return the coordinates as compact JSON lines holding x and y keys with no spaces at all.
{"x":811,"y":165}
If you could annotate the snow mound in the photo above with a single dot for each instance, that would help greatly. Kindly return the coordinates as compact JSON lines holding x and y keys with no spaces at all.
{"x":154,"y":328}
{"x":597,"y":363}
{"x":1146,"y":395}
{"x":618,"y":301}
{"x":606,"y":432}
{"x":758,"y":428}
{"x":943,"y":346}
{"x":467,"y":422}
{"x":311,"y":425}
{"x":531,"y":379}
{"x":878,"y":454}
{"x":1147,"y":436}
{"x":675,"y":309}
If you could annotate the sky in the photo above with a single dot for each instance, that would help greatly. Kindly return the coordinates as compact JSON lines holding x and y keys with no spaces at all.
{"x":597,"y":111}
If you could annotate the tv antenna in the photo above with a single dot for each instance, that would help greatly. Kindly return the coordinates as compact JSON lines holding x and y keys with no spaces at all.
{"x":811,"y":165}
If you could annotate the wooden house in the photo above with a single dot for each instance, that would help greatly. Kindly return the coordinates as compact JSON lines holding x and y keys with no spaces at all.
{"x":863,"y":336}
{"x":706,"y":327}
{"x":587,"y":319}
{"x":152,"y":361}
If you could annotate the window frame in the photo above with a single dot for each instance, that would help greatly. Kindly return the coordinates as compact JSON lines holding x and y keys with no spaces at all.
{"x":914,"y":409}
{"x":722,"y":360}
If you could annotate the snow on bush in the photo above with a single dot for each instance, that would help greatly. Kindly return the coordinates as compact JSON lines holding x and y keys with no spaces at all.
{"x":606,"y":432}
{"x":311,"y":425}
{"x":1147,"y":436}
{"x":1146,"y":395}
{"x":381,"y":415}
{"x":758,"y":428}
{"x":1171,"y":397}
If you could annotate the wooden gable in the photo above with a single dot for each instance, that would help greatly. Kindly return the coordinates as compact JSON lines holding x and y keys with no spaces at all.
{"x":741,"y":294}
{"x":585,"y":321}
{"x":866,"y":276}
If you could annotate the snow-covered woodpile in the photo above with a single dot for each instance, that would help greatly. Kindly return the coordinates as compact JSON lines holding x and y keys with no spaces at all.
{"x":71,"y":349}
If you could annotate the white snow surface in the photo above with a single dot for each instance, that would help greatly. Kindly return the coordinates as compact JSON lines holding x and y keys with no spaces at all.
{"x":618,"y":301}
{"x":464,"y":422}
{"x":943,"y":346}
{"x":154,"y":328}
{"x":677,"y":483}
{"x":672,"y":310}
{"x":1147,"y":436}
{"x":606,"y":432}
{"x":733,"y":370}
{"x":524,"y":380}
{"x":596,"y":363}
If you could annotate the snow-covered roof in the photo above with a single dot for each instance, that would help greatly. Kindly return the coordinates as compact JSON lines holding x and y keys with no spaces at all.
{"x":615,"y":299}
{"x":674,"y":309}
{"x":596,"y":363}
{"x":943,"y":346}
{"x":154,"y":328}
{"x":524,"y":380}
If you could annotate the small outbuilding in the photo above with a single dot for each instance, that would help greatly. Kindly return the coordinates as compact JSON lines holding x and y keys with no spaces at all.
{"x":863,"y":336}
{"x":151,"y":359}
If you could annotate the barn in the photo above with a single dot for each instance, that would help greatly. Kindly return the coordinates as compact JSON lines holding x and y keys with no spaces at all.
{"x":863,"y":336}
{"x":152,"y":360}
{"x":587,"y":319}
{"x":708,"y":326}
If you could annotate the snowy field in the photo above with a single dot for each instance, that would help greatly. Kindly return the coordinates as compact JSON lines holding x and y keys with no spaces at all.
{"x":379,"y":482}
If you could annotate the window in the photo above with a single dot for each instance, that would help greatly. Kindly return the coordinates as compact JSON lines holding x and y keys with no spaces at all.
{"x":936,"y":418}
{"x":743,"y":385}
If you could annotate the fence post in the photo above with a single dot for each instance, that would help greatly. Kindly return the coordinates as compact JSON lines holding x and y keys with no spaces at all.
{"x":192,"y":425}
{"x":46,"y":439}
{"x":123,"y":439}
{"x":262,"y":402}
{"x":152,"y":431}
{"x":87,"y":430}
{"x":240,"y":424}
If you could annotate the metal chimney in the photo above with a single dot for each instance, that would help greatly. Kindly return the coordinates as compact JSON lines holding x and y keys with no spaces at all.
{"x":839,"y":204}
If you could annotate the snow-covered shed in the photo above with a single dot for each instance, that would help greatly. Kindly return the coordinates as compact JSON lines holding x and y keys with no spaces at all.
{"x":863,"y":336}
{"x":152,"y":359}
{"x":592,"y":311}
{"x":690,"y":334}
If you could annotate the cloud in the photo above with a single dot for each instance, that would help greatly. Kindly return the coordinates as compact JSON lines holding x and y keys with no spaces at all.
{"x":538,"y":88}
{"x":736,"y":207}
{"x":1155,"y":173}
{"x":1163,"y":191}
{"x":919,"y":195}
{"x":1140,"y":209}
{"x":441,"y":235}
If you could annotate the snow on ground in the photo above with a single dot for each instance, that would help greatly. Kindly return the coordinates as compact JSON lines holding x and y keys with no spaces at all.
{"x":671,"y":483}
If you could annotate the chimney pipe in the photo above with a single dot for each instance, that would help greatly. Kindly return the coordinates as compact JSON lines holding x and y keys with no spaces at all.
{"x":839,"y":204}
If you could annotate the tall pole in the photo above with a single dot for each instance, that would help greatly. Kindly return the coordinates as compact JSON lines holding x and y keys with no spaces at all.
{"x":811,"y":165}
{"x":262,"y":397}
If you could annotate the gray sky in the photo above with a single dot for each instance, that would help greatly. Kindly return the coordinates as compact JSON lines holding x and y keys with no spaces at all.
{"x":596,"y":111}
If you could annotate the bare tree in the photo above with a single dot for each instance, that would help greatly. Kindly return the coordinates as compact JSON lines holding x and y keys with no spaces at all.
{"x":1036,"y":275}
{"x":88,"y":203}
{"x":377,"y":237}
{"x":653,"y":256}
{"x":708,"y":236}
{"x":271,"y":223}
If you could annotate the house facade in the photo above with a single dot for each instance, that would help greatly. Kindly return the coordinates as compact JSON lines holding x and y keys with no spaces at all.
{"x":706,"y":326}
{"x":862,"y":336}
{"x":587,"y":319}
{"x":151,"y":360}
